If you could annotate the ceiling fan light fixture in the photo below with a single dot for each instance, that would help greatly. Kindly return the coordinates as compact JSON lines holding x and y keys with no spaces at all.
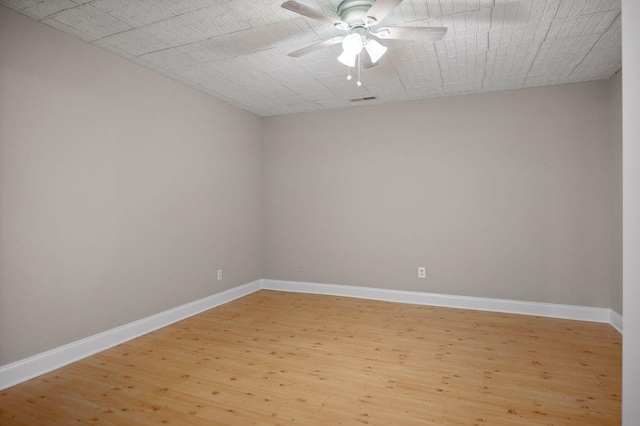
{"x":357,"y":18}
{"x":375,"y":50}
{"x":352,"y":44}
{"x":348,"y":59}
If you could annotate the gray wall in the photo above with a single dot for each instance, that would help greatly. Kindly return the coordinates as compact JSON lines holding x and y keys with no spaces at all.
{"x":504,"y":195}
{"x":615,"y":99}
{"x":121,"y":192}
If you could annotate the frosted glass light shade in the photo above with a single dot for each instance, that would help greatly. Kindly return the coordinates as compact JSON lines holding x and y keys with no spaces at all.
{"x":352,"y":44}
{"x":347,"y":59}
{"x":375,"y":50}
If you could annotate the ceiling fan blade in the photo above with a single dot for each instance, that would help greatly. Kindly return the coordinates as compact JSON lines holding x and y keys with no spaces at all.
{"x":381,"y":8}
{"x":428,"y":34}
{"x":310,"y":12}
{"x":365,"y":60}
{"x":316,"y":46}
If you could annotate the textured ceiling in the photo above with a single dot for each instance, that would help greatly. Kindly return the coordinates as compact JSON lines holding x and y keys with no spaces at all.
{"x":236,"y":50}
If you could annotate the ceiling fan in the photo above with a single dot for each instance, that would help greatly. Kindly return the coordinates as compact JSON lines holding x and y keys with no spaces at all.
{"x":358,"y":19}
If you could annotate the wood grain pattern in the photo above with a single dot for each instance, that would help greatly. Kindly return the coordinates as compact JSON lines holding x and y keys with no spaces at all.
{"x":288,"y":358}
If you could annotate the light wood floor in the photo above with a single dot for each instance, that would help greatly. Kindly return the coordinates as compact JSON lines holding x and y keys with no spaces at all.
{"x":287,"y":358}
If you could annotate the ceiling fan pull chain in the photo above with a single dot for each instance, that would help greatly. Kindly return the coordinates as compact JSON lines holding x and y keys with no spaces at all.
{"x":349,"y":76}
{"x":359,"y":83}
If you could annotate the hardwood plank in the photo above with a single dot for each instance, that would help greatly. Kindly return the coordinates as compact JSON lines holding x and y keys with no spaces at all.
{"x":286,"y":358}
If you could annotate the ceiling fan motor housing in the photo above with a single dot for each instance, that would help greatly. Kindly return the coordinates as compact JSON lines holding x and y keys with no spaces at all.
{"x":354,"y":12}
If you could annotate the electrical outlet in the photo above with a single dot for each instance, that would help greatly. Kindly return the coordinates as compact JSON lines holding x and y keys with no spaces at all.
{"x":301,"y":267}
{"x":219,"y":274}
{"x":422,"y":272}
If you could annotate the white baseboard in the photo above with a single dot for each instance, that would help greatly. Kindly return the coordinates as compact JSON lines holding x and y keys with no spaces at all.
{"x":28,"y":368}
{"x":581,"y":313}
{"x":616,"y":320}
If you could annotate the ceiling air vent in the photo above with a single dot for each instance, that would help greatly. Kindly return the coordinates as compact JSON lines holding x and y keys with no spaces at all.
{"x":368,"y":98}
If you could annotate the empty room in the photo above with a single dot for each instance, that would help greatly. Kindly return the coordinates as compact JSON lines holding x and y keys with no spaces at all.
{"x":338,"y":212}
